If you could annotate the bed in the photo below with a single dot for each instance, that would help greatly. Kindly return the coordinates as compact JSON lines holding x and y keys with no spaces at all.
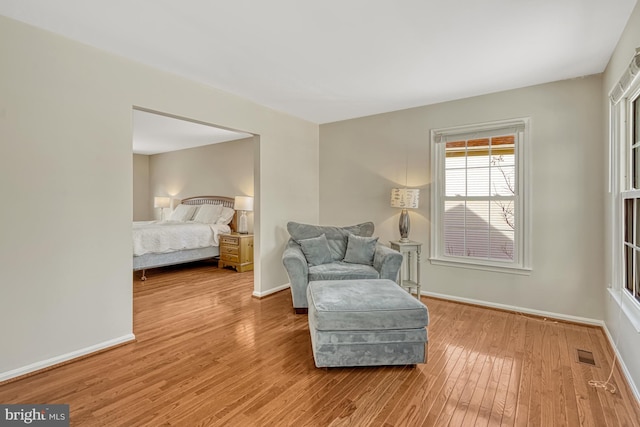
{"x":164,"y":243}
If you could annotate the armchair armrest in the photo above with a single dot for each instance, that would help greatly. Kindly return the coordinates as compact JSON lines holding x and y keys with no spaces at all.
{"x":387,"y":261}
{"x":298,"y":270}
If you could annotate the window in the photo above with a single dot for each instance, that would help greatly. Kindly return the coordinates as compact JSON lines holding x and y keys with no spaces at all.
{"x":479,"y":196}
{"x":631,"y":200}
{"x":624,"y":189}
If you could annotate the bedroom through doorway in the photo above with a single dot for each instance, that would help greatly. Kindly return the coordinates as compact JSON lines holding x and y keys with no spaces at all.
{"x":175,"y":159}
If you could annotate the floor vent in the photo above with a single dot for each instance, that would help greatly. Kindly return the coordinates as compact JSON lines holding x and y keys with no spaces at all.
{"x":585,"y":356}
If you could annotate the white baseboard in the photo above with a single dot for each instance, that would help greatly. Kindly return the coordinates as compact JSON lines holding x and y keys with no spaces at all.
{"x":65,"y":357}
{"x":271,"y":291}
{"x":621,"y":363}
{"x":549,"y":314}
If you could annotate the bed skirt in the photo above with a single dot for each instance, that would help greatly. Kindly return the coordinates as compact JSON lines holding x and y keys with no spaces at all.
{"x":146,"y":261}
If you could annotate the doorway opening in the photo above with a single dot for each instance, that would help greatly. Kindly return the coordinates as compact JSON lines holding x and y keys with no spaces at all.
{"x":176,"y":158}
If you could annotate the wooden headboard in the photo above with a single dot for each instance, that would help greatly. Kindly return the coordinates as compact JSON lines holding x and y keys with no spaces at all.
{"x":213,"y":200}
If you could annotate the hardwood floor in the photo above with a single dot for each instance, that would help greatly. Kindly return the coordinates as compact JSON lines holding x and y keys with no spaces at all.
{"x":207,"y":353}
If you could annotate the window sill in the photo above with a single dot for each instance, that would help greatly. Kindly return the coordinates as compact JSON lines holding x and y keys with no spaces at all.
{"x":523,"y":271}
{"x":630,"y":307}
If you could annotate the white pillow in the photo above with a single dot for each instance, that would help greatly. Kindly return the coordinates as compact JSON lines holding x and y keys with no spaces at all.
{"x":195,"y":212}
{"x":208,"y":214}
{"x":226,"y":215}
{"x":182,"y":213}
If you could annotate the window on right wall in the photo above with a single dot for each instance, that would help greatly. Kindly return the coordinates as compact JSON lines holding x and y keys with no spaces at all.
{"x":631,"y":198}
{"x":624,"y":191}
{"x":480,"y":196}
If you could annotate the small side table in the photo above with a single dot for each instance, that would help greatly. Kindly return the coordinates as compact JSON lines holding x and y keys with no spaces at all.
{"x":236,"y":250}
{"x":410,"y":262}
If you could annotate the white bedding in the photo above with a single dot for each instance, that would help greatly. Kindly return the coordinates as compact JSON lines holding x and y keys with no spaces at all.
{"x":171,"y":236}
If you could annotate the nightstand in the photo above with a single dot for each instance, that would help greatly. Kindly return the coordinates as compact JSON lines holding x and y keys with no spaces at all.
{"x":410,"y":268}
{"x":236,"y":250}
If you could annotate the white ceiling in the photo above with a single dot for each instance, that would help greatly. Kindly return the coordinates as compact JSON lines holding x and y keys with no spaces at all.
{"x":155,"y":133}
{"x":330,"y":60}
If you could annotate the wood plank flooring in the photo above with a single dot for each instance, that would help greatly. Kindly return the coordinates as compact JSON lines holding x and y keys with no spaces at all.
{"x":207,"y":353}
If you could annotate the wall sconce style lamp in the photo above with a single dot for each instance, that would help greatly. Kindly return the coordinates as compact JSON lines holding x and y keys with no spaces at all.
{"x":405,"y":198}
{"x":162,"y":203}
{"x":243,"y":204}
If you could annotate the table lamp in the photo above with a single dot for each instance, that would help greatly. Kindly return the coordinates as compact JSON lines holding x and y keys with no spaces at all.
{"x":161,"y":202}
{"x":405,"y":198}
{"x":243,"y":204}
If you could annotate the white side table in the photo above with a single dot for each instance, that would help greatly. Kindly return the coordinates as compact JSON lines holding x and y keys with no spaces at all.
{"x":410,"y":263}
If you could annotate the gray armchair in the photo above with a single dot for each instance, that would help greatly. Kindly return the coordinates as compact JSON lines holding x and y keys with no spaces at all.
{"x":335,"y":253}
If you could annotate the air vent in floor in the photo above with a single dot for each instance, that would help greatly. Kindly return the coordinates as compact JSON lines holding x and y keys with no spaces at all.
{"x":585,"y":356}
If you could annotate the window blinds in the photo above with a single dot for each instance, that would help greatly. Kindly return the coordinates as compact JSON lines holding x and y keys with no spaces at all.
{"x":479,"y":134}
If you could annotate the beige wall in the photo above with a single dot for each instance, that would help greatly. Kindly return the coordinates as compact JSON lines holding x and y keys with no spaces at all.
{"x":224,"y":169}
{"x":65,"y":127}
{"x":621,"y":330}
{"x":142,"y":201}
{"x":362,"y":159}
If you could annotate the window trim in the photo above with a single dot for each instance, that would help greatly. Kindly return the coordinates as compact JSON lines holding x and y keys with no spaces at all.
{"x":626,"y":91}
{"x":629,"y":305}
{"x":523,"y":265}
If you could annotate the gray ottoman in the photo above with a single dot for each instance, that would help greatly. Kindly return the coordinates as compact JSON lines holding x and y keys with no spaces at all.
{"x":365,"y":323}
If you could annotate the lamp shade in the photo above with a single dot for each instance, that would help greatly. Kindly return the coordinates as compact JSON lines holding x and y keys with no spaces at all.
{"x":405,"y":198}
{"x":161,"y":202}
{"x":243,"y":203}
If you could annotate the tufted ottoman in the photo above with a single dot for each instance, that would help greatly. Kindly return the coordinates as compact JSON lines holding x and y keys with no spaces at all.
{"x":365,"y":322}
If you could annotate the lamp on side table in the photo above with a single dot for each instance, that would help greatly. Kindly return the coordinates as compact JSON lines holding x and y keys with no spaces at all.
{"x":162,"y":203}
{"x":405,"y":198}
{"x":243,"y":204}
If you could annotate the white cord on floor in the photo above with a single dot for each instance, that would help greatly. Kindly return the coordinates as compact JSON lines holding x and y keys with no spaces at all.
{"x":536,"y":318}
{"x":607,"y":384}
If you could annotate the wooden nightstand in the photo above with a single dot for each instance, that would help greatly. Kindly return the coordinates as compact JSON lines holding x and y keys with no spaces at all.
{"x":236,"y":250}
